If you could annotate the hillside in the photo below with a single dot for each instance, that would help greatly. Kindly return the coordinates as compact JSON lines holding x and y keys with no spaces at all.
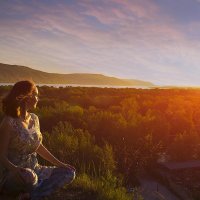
{"x":13,"y":73}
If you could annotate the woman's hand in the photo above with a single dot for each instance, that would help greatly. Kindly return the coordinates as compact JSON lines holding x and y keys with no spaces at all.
{"x":67,"y":166}
{"x":44,"y":153}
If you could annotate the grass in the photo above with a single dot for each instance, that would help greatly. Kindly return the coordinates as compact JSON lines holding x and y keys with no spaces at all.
{"x":104,"y":188}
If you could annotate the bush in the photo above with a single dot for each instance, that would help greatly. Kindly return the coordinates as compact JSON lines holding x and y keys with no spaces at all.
{"x":78,"y":147}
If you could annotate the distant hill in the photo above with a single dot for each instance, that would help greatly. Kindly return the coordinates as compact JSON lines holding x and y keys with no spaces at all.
{"x":13,"y":73}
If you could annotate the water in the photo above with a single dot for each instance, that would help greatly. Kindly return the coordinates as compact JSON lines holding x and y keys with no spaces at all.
{"x":77,"y":85}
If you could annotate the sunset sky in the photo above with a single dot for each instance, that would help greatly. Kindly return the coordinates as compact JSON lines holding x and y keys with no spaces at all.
{"x":151,"y":40}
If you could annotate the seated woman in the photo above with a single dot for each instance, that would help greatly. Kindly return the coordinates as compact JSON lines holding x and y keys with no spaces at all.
{"x":20,"y":142}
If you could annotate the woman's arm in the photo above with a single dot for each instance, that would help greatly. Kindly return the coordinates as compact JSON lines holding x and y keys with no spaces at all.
{"x":44,"y":153}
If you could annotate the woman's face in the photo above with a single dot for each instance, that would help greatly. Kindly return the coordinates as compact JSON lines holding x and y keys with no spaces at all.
{"x":33,"y":99}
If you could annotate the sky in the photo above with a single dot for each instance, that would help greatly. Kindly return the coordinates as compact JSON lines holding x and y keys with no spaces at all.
{"x":150,"y":40}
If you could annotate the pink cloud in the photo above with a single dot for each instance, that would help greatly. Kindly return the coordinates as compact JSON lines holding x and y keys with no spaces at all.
{"x":64,"y":20}
{"x":126,"y":33}
{"x":111,"y":12}
{"x":146,"y":9}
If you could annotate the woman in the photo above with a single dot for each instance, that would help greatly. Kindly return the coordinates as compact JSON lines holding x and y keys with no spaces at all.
{"x":20,"y":142}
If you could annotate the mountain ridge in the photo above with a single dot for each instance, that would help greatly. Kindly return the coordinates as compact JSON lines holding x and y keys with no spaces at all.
{"x":13,"y":73}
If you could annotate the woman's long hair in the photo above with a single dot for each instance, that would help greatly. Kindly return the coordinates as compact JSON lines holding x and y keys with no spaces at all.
{"x":15,"y":98}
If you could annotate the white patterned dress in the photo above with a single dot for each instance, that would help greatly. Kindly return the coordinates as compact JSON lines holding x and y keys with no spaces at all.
{"x":22,"y":148}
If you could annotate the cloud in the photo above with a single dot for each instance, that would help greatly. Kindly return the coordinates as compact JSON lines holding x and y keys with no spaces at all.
{"x":111,"y":12}
{"x":132,"y":39}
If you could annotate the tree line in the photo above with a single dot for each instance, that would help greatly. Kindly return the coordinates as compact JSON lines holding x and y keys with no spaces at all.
{"x":120,"y":131}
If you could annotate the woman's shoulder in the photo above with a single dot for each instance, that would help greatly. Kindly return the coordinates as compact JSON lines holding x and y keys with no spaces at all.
{"x":35,"y":119}
{"x":34,"y":116}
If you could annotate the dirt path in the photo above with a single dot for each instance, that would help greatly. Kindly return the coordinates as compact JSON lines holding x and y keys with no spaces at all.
{"x":153,"y":190}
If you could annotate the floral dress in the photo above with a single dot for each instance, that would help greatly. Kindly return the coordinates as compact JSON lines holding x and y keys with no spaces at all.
{"x":22,"y":148}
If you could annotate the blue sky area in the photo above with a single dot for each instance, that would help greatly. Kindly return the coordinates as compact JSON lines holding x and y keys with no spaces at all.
{"x":151,"y":40}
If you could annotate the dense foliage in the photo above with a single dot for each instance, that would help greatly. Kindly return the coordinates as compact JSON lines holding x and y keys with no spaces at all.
{"x":120,"y":131}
